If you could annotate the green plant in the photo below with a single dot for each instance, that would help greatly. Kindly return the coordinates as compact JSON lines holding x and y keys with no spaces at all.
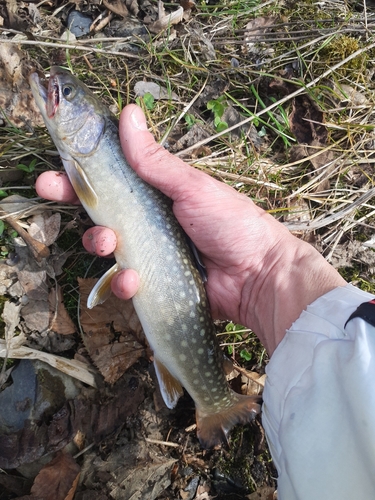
{"x":148,"y":101}
{"x":27,"y":168}
{"x":218,"y":106}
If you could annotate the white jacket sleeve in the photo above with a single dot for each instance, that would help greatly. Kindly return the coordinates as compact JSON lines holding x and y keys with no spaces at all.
{"x":319,"y":402}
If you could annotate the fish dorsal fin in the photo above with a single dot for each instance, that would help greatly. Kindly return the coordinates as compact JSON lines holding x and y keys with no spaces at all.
{"x":102,"y":289}
{"x":80,"y":183}
{"x":170,"y":388}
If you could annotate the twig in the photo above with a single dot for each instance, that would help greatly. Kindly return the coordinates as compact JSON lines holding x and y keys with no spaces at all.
{"x":38,"y":249}
{"x":164,"y":443}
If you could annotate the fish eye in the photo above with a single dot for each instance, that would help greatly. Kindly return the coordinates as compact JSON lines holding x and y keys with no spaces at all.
{"x":67,"y":91}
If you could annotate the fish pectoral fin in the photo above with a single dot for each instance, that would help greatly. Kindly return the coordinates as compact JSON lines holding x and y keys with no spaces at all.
{"x":213,"y":428}
{"x":170,"y":387}
{"x":102,"y":289}
{"x":81,"y":183}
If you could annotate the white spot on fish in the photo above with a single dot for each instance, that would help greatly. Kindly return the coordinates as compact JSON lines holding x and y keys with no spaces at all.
{"x":187,"y":273}
{"x":182,"y":357}
{"x":182,"y":295}
{"x":184,"y":343}
{"x":200,"y":351}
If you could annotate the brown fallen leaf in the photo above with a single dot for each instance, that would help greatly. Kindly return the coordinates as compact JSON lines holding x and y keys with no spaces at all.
{"x":58,"y":479}
{"x":165,"y":20}
{"x":255,"y":29}
{"x":117,"y":7}
{"x":112,"y":333}
{"x":45,"y":227}
{"x":16,"y":100}
{"x":263,"y":493}
{"x":60,"y":321}
{"x":307,"y":121}
{"x":307,"y":124}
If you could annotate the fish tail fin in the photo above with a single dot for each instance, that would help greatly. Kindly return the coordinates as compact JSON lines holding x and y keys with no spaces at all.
{"x":213,"y":428}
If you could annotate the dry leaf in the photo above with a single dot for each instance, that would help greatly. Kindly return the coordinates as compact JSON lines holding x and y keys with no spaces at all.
{"x":307,"y":124}
{"x":157,"y":91}
{"x":18,"y":206}
{"x":147,"y":480}
{"x":263,"y":493}
{"x":16,"y":100}
{"x":306,"y":121}
{"x":11,"y":317}
{"x":166,"y":20}
{"x":60,"y":321}
{"x":252,"y":383}
{"x":45,"y":227}
{"x":57,"y":480}
{"x":112,"y":331}
{"x":256,"y":28}
{"x":117,"y":7}
{"x":352,"y":96}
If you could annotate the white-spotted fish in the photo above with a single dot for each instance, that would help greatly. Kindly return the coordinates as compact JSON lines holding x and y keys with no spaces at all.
{"x":171,"y":301}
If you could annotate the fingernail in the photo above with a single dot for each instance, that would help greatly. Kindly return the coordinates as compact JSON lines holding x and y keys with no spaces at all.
{"x":138,"y":119}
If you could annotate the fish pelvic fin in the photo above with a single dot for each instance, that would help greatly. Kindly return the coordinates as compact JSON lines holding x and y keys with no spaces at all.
{"x":170,"y":387}
{"x":213,"y":428}
{"x":102,"y":289}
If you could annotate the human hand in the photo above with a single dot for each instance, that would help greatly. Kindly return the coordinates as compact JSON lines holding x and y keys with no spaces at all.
{"x":259,"y":274}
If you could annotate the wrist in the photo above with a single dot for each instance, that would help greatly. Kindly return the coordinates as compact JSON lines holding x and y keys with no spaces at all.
{"x":292,"y":276}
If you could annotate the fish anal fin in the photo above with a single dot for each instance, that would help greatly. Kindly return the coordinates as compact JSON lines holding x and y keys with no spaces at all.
{"x":102,"y":289}
{"x":213,"y":428}
{"x":228,"y":365}
{"x":81,"y":183}
{"x":170,"y":387}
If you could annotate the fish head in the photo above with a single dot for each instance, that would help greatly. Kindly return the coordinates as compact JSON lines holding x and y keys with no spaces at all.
{"x":74,"y":116}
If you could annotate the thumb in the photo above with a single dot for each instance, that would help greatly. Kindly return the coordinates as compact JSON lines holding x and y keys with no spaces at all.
{"x":152,"y":162}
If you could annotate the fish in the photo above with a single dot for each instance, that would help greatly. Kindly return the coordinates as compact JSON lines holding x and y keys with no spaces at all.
{"x":171,"y":301}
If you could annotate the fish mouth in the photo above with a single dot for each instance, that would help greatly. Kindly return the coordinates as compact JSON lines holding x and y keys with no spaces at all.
{"x":53,"y":96}
{"x":47,"y":98}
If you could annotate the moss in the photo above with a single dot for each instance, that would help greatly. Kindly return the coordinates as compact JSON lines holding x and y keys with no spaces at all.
{"x":339,"y":49}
